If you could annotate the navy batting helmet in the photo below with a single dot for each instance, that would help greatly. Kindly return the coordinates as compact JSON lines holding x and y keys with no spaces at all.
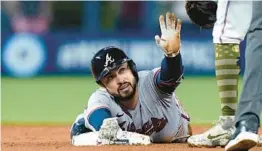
{"x":108,"y":59}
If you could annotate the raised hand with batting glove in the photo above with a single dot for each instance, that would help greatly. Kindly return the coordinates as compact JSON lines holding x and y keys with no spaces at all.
{"x":169,"y":41}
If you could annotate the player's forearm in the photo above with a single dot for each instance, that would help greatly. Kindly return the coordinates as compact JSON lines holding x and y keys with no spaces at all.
{"x":170,"y":74}
{"x":96,"y":118}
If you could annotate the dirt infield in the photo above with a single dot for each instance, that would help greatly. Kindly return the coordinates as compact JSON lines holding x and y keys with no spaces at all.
{"x":56,"y":138}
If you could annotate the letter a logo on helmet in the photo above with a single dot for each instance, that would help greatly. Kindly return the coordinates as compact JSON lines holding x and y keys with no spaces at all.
{"x":108,"y":59}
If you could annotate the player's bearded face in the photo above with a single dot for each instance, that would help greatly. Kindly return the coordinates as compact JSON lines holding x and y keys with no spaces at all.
{"x":121,"y":83}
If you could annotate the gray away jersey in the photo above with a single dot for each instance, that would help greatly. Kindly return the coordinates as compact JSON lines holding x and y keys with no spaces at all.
{"x":157,"y":114}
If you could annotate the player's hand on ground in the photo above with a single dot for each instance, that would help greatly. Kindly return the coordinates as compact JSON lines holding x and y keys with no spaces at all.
{"x":169,"y":41}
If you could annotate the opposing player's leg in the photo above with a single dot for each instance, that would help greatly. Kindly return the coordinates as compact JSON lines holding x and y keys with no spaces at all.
{"x":229,"y":30}
{"x":250,"y":103}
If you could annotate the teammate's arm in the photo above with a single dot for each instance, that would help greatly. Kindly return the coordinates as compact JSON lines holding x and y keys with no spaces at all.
{"x":168,"y":78}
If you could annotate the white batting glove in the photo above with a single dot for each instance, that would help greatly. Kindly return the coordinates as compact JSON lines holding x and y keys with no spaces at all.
{"x":111,"y":133}
{"x":170,"y":35}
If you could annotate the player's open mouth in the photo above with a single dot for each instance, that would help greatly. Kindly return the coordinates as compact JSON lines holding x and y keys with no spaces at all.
{"x":124,"y":86}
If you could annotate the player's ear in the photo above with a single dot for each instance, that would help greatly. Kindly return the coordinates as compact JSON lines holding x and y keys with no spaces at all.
{"x":101,"y":84}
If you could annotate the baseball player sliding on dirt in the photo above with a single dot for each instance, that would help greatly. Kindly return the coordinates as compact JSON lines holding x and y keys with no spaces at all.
{"x":141,"y":102}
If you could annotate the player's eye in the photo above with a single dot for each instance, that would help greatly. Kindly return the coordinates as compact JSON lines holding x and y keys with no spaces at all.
{"x":110,"y":77}
{"x":122,"y":69}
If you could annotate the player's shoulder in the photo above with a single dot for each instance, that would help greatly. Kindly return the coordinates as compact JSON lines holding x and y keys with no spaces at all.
{"x":144,"y":73}
{"x":100,"y":95}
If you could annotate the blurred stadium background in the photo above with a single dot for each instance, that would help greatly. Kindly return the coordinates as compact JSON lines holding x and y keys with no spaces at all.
{"x":46,"y":47}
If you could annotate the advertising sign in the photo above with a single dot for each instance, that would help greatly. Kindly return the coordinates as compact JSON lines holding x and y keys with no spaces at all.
{"x":27,"y":55}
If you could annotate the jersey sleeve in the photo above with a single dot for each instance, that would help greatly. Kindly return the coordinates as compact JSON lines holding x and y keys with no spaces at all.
{"x":169,"y":76}
{"x":147,"y":82}
{"x":97,"y":110}
{"x":165,"y":78}
{"x":149,"y":89}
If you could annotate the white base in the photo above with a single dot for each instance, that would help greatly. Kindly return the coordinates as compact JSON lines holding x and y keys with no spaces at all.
{"x":123,"y":138}
{"x":86,"y":139}
{"x":110,"y":134}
